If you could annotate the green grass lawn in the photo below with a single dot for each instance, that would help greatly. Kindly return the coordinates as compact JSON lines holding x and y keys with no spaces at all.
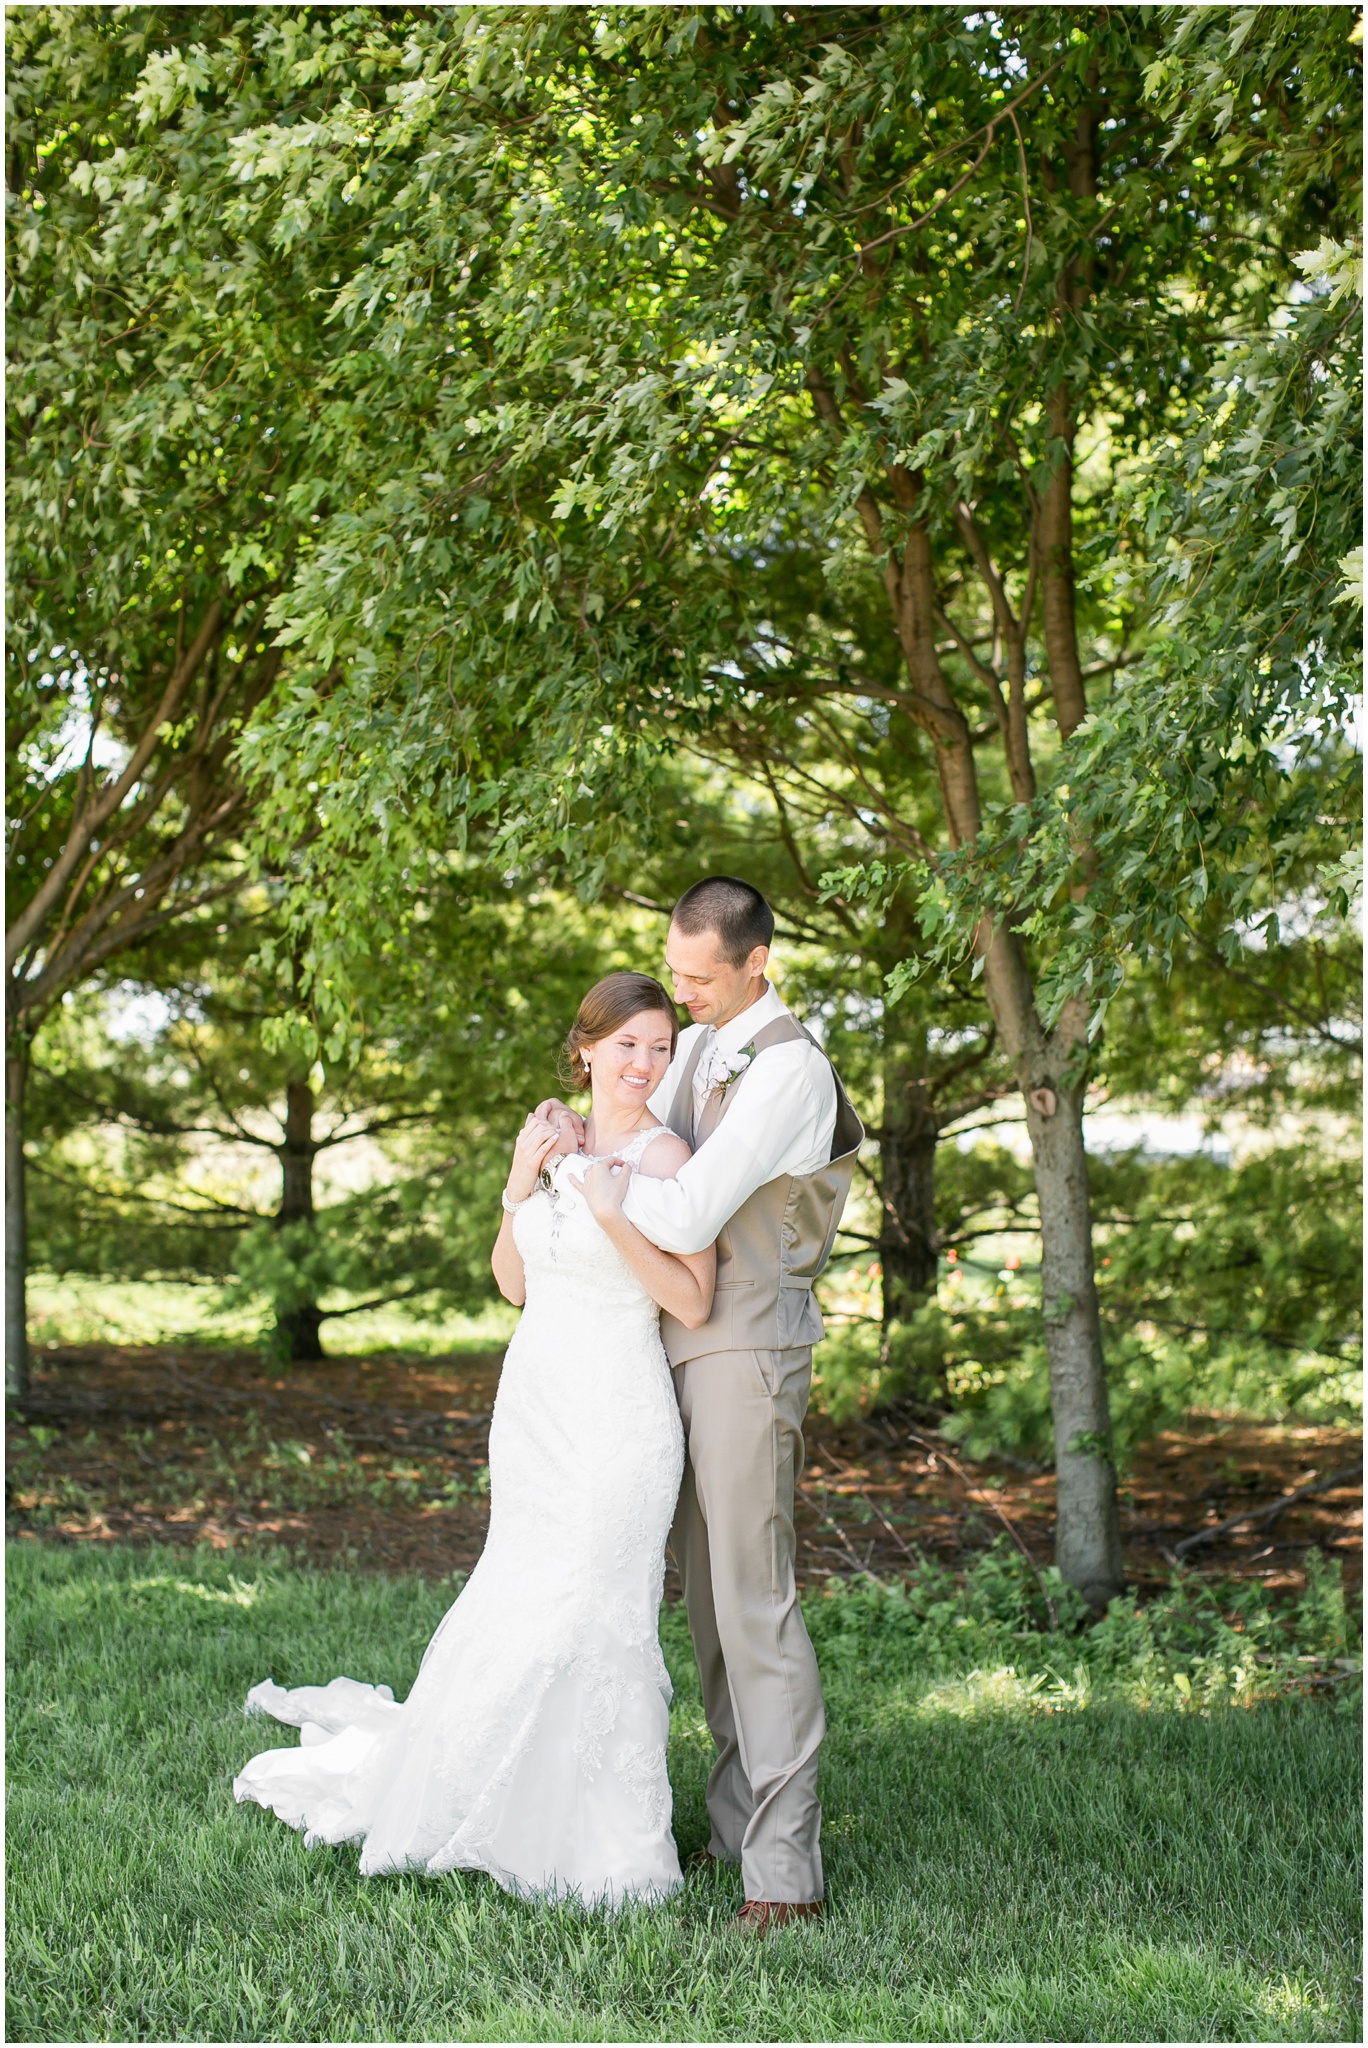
{"x":1136,"y":1833}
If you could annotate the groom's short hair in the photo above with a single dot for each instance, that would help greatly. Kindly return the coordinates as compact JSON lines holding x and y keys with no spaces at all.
{"x":737,"y":913}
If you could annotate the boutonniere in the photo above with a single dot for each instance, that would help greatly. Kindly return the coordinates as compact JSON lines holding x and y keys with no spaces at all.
{"x":734,"y":1065}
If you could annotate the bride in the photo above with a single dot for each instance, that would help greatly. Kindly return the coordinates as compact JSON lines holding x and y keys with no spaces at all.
{"x":532,"y":1744}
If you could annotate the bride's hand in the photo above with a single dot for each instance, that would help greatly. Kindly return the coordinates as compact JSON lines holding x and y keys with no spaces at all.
{"x":536,"y":1142}
{"x":554,"y":1111}
{"x":605,"y":1187}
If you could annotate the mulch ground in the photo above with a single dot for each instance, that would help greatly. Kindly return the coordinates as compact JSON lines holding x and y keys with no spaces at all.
{"x":380,"y":1462}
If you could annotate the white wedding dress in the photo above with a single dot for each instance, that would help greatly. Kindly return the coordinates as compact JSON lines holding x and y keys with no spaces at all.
{"x":532,"y":1744}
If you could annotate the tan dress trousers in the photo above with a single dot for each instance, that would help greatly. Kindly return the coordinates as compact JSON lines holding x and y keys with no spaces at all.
{"x":733,"y":1542}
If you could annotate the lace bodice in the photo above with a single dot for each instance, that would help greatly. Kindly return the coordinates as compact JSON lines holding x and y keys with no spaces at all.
{"x":566,"y":1256}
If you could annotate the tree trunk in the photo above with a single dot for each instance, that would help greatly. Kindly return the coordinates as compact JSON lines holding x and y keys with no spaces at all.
{"x":1058,"y":596}
{"x":1087,"y":1540}
{"x":1088,"y":1527}
{"x":1087,"y":1522}
{"x":299,"y":1333}
{"x":16,"y":1222}
{"x":907,"y":1175}
{"x":1073,"y":287}
{"x":298,"y":1328}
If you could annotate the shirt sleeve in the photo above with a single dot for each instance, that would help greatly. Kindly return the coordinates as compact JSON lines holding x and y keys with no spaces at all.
{"x":781,"y":1122}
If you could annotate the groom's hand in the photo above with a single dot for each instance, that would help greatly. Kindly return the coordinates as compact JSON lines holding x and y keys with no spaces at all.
{"x":569,"y":1123}
{"x":605,"y":1187}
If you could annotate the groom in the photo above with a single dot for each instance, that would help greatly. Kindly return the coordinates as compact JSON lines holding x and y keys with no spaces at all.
{"x":774,"y":1150}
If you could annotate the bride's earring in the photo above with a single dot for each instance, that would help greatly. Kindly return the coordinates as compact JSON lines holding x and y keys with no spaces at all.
{"x":588,"y":1070}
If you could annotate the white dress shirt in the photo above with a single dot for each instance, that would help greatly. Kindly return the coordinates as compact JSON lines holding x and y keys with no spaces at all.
{"x":781,"y":1122}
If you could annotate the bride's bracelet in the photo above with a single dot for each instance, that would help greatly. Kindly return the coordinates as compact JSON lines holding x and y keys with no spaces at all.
{"x":510,"y":1205}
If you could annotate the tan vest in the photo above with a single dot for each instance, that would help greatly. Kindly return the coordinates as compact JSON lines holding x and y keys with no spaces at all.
{"x":770,"y":1252}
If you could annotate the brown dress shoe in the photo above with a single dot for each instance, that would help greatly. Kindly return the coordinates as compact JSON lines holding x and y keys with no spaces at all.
{"x":759,"y":1916}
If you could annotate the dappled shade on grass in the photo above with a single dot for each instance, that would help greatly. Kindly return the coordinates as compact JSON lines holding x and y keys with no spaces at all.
{"x":1026,"y":1837}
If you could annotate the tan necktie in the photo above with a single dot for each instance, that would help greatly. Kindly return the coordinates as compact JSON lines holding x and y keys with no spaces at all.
{"x":710,"y":1116}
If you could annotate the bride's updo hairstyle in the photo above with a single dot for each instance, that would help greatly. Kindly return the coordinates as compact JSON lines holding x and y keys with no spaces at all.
{"x":606,"y":1009}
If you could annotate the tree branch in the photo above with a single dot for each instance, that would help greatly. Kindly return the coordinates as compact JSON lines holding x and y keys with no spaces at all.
{"x":84,"y":827}
{"x":911,"y":227}
{"x":1273,"y":1509}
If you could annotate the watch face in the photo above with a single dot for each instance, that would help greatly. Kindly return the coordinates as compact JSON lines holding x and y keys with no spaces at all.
{"x":545,"y":1178}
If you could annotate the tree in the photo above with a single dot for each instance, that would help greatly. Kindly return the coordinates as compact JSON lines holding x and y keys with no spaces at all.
{"x":1220,"y":770}
{"x":153,"y":1138}
{"x":715,"y":287}
{"x":638,"y":308}
{"x":168,"y":453}
{"x":137,"y":477}
{"x":916,"y":1068}
{"x":190,"y":73}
